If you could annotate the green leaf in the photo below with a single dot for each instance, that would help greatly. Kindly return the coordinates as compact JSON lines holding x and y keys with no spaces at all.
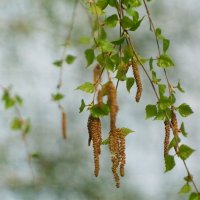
{"x":82,"y":106}
{"x":119,"y":41}
{"x":126,"y":131}
{"x":97,"y":111}
{"x":105,"y":142}
{"x":164,"y":61}
{"x":86,"y":87}
{"x":58,"y":63}
{"x":185,"y":189}
{"x":174,"y":142}
{"x":129,"y":83}
{"x":16,"y":124}
{"x":26,"y":127}
{"x":162,"y":89}
{"x":179,"y":87}
{"x":112,"y":20}
{"x":194,"y":196}
{"x":166,"y":44}
{"x":151,"y":111}
{"x":185,"y":110}
{"x":57,"y":97}
{"x":70,"y":59}
{"x":185,"y":152}
{"x":89,"y":55}
{"x":183,"y":130}
{"x":136,"y":25}
{"x":126,"y":22}
{"x":35,"y":155}
{"x":9,"y":102}
{"x":154,"y":78}
{"x":102,"y":4}
{"x":19,"y":100}
{"x":169,"y":163}
{"x":106,"y":46}
{"x":151,"y":63}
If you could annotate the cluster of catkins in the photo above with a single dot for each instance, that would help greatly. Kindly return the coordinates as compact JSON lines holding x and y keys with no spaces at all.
{"x":116,"y":135}
{"x":173,"y":124}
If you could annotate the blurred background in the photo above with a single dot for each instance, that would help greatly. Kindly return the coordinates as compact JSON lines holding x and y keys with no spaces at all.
{"x":31,"y":37}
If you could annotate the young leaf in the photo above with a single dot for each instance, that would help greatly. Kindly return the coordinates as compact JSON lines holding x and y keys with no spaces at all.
{"x":164,"y":61}
{"x":86,"y":87}
{"x":169,"y":163}
{"x":16,"y":124}
{"x":126,"y":131}
{"x":102,"y":4}
{"x":185,"y":152}
{"x":105,"y":142}
{"x":194,"y":196}
{"x":97,"y":111}
{"x":185,"y":189}
{"x":70,"y":59}
{"x":151,"y":111}
{"x":111,"y":21}
{"x":126,"y":22}
{"x":89,"y":55}
{"x":129,"y":83}
{"x":185,"y":110}
{"x":179,"y":87}
{"x":57,"y":96}
{"x":82,"y":106}
{"x":58,"y":63}
{"x":166,"y":44}
{"x":183,"y":130}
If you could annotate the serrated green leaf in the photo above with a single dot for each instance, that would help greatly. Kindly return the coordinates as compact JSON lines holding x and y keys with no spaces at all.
{"x":119,"y":41}
{"x":97,"y":111}
{"x":106,"y":46}
{"x":89,"y":55}
{"x":86,"y":87}
{"x":183,"y":130}
{"x":164,"y":61}
{"x":112,"y":20}
{"x":169,"y":163}
{"x":174,"y":142}
{"x":166,"y":44}
{"x":136,"y":25}
{"x":16,"y":124}
{"x":126,"y":131}
{"x":185,"y":110}
{"x":179,"y":87}
{"x":185,"y":152}
{"x":9,"y":102}
{"x":154,"y":78}
{"x":185,"y":189}
{"x":58,"y":63}
{"x":151,"y":111}
{"x":162,"y":89}
{"x":70,"y":59}
{"x":126,"y":22}
{"x":194,"y":196}
{"x":57,"y":97}
{"x":82,"y":106}
{"x":129,"y":83}
{"x":102,"y":4}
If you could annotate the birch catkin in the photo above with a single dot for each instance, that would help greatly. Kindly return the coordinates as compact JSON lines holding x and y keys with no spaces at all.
{"x":167,"y":138}
{"x":97,"y":75}
{"x":64,"y":125}
{"x":138,"y":81}
{"x":174,"y":123}
{"x":112,"y":102}
{"x":94,"y":130}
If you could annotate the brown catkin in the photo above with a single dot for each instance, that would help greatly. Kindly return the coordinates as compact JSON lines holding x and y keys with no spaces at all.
{"x":112,"y":102}
{"x":94,"y":130}
{"x":174,"y":123}
{"x":167,"y":138}
{"x":117,"y":149}
{"x":64,"y":125}
{"x":138,"y":81}
{"x":97,"y":75}
{"x":100,"y":98}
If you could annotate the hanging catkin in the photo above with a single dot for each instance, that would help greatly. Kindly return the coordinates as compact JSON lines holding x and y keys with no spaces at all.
{"x":94,"y":130}
{"x":100,"y":98}
{"x":64,"y":125}
{"x":174,"y":124}
{"x":112,"y":102}
{"x":117,"y":149}
{"x":136,"y":74}
{"x":167,"y":138}
{"x":97,"y":76}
